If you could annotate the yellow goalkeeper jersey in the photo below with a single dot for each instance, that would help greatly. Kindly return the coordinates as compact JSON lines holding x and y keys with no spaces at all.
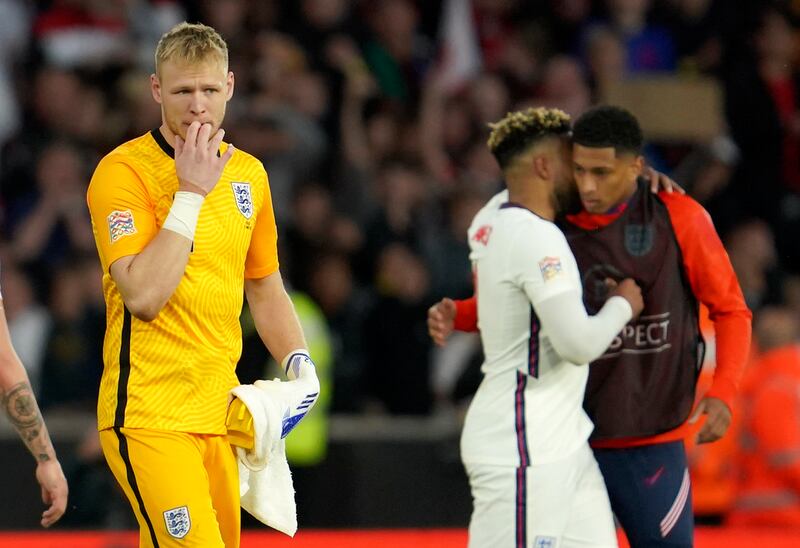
{"x":174,"y":373}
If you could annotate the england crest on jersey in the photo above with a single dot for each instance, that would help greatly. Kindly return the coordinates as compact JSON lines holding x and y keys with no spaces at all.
{"x":244,"y":200}
{"x":178,"y":521}
{"x":639,"y":239}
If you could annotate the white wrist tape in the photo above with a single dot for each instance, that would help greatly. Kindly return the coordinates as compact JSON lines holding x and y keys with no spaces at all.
{"x":183,"y":214}
{"x":297,"y":364}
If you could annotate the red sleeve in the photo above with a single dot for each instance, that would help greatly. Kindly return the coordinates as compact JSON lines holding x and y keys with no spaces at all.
{"x":714,"y":283}
{"x":467,"y":314}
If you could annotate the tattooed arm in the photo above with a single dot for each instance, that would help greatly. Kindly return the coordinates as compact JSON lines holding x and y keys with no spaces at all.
{"x":19,"y":405}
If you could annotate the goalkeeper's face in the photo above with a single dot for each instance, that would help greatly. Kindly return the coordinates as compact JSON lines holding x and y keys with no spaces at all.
{"x":189,"y":92}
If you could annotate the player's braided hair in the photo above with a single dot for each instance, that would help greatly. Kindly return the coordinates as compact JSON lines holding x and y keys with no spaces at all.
{"x":517,"y":131}
{"x":608,"y":126}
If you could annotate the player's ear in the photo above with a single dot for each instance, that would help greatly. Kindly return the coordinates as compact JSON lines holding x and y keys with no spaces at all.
{"x":230,"y":84}
{"x":155,"y":88}
{"x":542,"y":166}
{"x":637,"y":166}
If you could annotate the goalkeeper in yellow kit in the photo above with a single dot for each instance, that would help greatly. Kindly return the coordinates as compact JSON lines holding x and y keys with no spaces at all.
{"x":184,"y":226}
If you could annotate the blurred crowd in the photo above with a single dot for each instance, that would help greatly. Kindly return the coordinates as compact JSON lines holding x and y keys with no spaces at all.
{"x":370,"y":117}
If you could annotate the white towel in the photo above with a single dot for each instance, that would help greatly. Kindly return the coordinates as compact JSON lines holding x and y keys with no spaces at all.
{"x":265,"y":481}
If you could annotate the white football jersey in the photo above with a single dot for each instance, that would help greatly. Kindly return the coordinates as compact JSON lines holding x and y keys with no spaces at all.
{"x":528,"y":408}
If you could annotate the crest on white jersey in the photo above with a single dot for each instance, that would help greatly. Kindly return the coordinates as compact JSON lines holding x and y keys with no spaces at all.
{"x":545,"y":542}
{"x":244,"y":200}
{"x":178,"y":521}
{"x":550,"y":267}
{"x":482,"y":234}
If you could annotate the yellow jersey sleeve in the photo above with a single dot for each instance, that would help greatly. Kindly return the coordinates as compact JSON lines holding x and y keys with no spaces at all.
{"x":262,"y":256}
{"x":123,"y":218}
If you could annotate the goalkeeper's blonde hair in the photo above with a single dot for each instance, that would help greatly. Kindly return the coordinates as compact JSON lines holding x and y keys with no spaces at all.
{"x":519,"y":130}
{"x":191,"y":43}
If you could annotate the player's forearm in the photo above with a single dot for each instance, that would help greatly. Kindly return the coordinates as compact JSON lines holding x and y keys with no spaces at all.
{"x":148,"y":281}
{"x":576,"y":336}
{"x":20,"y":407}
{"x":732,"y":340}
{"x":274,"y":315}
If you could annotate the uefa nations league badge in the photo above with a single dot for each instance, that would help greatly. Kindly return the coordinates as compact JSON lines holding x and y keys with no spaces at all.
{"x":244,"y":200}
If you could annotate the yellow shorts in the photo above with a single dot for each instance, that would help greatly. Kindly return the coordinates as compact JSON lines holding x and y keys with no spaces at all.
{"x":183,"y":488}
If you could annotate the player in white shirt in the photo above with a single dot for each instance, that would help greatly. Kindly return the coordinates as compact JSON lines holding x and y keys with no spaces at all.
{"x":533,"y":477}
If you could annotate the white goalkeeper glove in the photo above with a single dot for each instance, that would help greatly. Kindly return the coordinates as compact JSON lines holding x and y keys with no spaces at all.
{"x":300,"y":370}
{"x":297,"y":396}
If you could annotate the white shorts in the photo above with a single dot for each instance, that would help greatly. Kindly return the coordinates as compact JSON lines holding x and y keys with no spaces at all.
{"x":557,"y":505}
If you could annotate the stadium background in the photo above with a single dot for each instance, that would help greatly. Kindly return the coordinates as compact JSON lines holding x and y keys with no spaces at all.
{"x":370,"y":117}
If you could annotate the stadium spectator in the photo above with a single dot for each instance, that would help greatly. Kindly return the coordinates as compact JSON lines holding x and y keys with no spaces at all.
{"x":567,"y":20}
{"x":707,"y":170}
{"x":15,"y":31}
{"x":397,"y":52}
{"x":604,"y":55}
{"x":51,"y":222}
{"x":449,"y":260}
{"x":316,"y":229}
{"x":396,"y":346}
{"x":80,"y":33}
{"x":769,"y":477}
{"x":564,"y":86}
{"x":73,"y":352}
{"x":649,"y":47}
{"x":763,"y":111}
{"x":404,"y":215}
{"x":751,"y":248}
{"x":345,"y":305}
{"x":700,"y":28}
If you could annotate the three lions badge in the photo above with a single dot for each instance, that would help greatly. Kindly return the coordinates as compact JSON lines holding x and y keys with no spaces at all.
{"x":178,"y":521}
{"x":244,"y":200}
